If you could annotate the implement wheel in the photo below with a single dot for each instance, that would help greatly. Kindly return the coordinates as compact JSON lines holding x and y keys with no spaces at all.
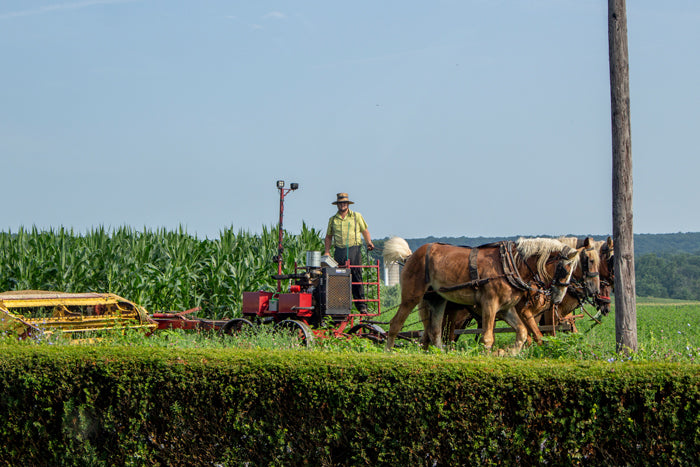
{"x":298,"y":329}
{"x":237,"y":326}
{"x":372,"y":332}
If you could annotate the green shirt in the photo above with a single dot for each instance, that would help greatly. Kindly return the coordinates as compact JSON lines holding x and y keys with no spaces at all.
{"x":348,"y":231}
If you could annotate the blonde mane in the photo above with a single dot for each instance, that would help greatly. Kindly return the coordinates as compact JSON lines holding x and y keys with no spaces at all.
{"x":570,"y":241}
{"x":575,"y":242}
{"x":396,"y":250}
{"x":543,"y":248}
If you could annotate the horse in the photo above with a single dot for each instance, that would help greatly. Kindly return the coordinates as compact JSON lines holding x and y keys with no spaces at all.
{"x":596,"y":255}
{"x":577,"y":295}
{"x":493,"y":277}
{"x":579,"y":290}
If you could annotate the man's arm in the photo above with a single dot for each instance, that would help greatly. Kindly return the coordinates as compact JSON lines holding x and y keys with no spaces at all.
{"x":327,"y":244}
{"x":368,"y":239}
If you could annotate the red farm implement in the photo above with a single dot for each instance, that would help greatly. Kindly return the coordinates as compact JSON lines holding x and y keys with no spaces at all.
{"x":313,"y":301}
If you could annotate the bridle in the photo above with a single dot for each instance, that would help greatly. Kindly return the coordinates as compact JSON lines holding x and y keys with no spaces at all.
{"x":562,"y":277}
{"x":586,"y":265}
{"x":609,"y":257}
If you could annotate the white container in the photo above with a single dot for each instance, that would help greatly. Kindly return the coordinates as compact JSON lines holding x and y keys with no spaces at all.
{"x":328,"y":262}
{"x":313,"y":259}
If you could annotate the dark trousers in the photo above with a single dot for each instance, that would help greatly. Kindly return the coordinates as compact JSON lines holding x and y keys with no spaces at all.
{"x":341,"y":255}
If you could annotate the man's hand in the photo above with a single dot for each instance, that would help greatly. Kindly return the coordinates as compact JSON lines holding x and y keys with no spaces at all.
{"x":370,"y":246}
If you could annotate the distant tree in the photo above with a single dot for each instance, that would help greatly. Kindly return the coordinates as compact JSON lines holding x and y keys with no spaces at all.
{"x":668,"y":276}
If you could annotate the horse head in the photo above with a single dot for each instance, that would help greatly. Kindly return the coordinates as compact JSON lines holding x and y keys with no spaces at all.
{"x":551,"y":255}
{"x":607,"y":275}
{"x":590,"y":272}
{"x":590,"y":267}
{"x":566,"y":262}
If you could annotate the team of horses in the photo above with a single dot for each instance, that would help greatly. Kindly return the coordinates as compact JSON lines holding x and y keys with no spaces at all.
{"x":521,"y":282}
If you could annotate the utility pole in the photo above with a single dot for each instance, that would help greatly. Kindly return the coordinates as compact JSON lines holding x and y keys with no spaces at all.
{"x":623,"y":233}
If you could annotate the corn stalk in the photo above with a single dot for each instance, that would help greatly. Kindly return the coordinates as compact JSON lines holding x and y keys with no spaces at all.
{"x":159,"y":269}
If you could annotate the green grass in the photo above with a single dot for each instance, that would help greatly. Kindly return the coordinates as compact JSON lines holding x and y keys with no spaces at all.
{"x":668,"y":332}
{"x":664,"y":301}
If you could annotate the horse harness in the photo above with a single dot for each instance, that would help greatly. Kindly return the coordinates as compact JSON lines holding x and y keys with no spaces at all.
{"x":510,"y":272}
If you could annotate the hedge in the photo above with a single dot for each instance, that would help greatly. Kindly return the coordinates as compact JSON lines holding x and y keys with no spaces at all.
{"x":110,"y":405}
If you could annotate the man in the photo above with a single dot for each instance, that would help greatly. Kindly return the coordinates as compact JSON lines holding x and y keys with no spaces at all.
{"x":345,"y":232}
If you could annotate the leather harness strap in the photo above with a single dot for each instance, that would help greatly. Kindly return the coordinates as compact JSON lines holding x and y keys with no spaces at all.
{"x":471,"y":284}
{"x":473,"y":269}
{"x":427,"y":262}
{"x":475,"y":281}
{"x":509,"y":269}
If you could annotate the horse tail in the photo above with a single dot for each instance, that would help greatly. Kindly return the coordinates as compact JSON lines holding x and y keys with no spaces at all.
{"x":396,"y":250}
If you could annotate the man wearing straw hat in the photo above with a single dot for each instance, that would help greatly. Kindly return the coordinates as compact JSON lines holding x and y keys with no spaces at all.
{"x":345,"y":232}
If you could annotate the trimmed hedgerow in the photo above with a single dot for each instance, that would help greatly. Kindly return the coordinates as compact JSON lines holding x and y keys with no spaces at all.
{"x":134,"y":406}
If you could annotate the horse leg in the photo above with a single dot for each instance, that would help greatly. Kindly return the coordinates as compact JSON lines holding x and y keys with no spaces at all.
{"x":511,"y":317}
{"x":433,"y":326}
{"x":529,"y":321}
{"x":424,"y":312}
{"x":398,"y":321}
{"x":456,"y":317}
{"x":488,"y":319}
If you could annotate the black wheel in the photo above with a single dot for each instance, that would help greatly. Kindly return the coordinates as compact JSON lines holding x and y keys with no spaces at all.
{"x":297,"y":329}
{"x":372,"y":332}
{"x":237,"y":326}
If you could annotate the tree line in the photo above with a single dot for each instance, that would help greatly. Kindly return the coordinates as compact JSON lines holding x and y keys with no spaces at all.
{"x":668,"y":275}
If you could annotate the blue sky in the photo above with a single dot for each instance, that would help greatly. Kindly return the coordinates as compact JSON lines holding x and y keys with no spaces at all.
{"x":444,"y":118}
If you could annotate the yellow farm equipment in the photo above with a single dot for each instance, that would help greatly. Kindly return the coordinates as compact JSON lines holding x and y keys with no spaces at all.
{"x":36,"y":312}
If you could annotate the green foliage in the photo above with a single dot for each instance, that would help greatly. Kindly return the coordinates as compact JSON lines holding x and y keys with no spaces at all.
{"x":391,"y":295}
{"x":263,"y":398}
{"x":161,"y":400}
{"x":160,"y":270}
{"x":124,"y":405}
{"x":668,"y":276}
{"x":670,"y":243}
{"x":172,"y":270}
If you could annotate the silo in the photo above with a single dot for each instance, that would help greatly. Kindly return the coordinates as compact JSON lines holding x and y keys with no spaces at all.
{"x":391,"y":273}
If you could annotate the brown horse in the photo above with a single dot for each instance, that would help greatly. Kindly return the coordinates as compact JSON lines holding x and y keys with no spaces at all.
{"x":577,"y":295}
{"x":580,"y":289}
{"x":596,"y":255}
{"x":493,"y":277}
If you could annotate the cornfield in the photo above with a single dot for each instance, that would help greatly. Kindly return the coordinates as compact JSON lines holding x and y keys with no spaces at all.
{"x":161,"y":270}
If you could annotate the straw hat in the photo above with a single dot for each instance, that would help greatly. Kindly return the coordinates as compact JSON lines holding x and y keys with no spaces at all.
{"x":342,"y":198}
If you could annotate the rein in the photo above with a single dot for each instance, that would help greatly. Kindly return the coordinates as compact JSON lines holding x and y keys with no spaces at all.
{"x":509,"y":269}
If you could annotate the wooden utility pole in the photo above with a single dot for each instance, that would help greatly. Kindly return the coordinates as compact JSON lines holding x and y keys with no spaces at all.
{"x":623,"y":233}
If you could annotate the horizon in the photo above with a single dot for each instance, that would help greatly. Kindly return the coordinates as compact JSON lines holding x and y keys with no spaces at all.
{"x":110,"y":230}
